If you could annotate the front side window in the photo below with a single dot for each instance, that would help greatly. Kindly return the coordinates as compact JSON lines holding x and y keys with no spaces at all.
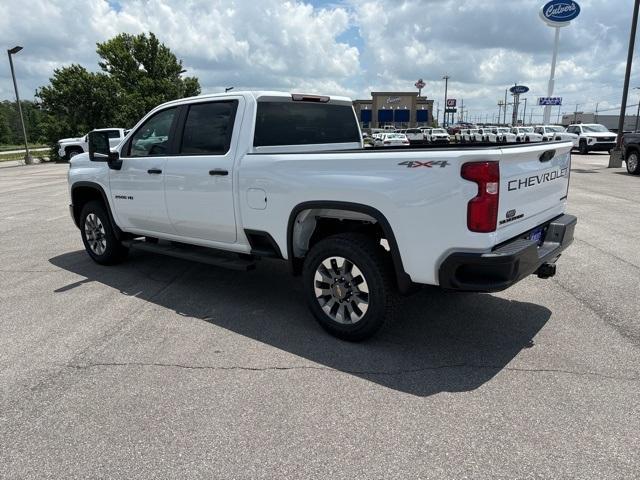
{"x":304,"y":123}
{"x":208,"y":128}
{"x":152,"y":138}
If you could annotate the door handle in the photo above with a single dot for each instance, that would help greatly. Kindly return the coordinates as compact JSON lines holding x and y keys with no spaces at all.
{"x":154,"y":170}
{"x":218,"y":171}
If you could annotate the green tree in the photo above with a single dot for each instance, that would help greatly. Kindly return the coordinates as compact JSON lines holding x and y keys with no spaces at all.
{"x":138,"y":73}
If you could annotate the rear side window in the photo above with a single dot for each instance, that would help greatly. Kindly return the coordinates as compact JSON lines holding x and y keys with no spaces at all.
{"x":113,"y":133}
{"x":208,"y":128}
{"x":293,"y":123}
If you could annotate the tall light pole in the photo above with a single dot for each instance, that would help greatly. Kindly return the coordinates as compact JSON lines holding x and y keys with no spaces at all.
{"x":12,"y":51}
{"x":615,"y":159}
{"x":638,"y":111}
{"x":446,"y":87}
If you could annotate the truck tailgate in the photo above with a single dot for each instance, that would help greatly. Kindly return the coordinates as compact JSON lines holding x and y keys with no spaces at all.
{"x":534,"y":181}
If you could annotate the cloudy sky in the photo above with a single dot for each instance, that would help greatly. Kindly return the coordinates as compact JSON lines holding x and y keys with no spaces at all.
{"x":347,"y":47}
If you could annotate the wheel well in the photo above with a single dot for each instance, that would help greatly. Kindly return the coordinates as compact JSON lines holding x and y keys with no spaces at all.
{"x":87,"y":192}
{"x":80,"y":196}
{"x":308,"y":226}
{"x":72,"y":148}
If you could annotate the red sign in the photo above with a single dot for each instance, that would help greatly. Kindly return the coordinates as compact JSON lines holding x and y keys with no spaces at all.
{"x":451,"y":102}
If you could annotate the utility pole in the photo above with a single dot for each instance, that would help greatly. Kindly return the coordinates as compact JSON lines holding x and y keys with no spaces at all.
{"x":531,"y":117}
{"x":27,"y":158}
{"x":446,"y":87}
{"x":597,"y":104}
{"x":638,"y":111}
{"x":524,"y":113}
{"x":506,"y":91}
{"x":575,"y":114}
{"x":461,"y":114}
{"x":615,"y":159}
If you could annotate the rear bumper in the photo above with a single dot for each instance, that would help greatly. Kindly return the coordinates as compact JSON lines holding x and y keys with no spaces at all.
{"x":508,"y":263}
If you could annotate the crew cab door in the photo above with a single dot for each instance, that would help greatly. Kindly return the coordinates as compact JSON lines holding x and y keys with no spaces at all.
{"x":199,"y":178}
{"x":137,"y":189}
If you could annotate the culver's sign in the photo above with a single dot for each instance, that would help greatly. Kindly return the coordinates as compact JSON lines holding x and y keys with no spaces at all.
{"x":394,"y":100}
{"x":558,"y":13}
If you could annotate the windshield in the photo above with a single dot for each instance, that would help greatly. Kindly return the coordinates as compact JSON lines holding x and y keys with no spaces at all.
{"x":503,"y":130}
{"x":554,"y":129}
{"x":527,"y":129}
{"x":438,"y":130}
{"x":595,"y":128}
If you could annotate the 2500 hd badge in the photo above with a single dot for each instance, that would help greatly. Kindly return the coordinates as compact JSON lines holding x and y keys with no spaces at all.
{"x":539,"y":179}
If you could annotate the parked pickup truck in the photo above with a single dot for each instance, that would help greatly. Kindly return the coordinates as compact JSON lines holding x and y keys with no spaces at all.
{"x":227,"y":179}
{"x":70,"y":147}
{"x":631,"y":152}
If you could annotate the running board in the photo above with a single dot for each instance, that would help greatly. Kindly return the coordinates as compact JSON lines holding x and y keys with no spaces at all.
{"x":210,"y":256}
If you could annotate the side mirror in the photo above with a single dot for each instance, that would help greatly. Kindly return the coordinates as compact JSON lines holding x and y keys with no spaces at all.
{"x":100,"y":150}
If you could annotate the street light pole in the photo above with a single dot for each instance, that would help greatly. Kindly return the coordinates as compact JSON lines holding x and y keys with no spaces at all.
{"x":446,"y":87}
{"x":27,"y":158}
{"x":615,"y":159}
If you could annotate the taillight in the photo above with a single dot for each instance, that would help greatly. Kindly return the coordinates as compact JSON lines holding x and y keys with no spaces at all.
{"x":482,"y":210}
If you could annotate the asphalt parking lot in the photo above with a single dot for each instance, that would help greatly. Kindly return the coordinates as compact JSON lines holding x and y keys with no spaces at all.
{"x":160,"y":368}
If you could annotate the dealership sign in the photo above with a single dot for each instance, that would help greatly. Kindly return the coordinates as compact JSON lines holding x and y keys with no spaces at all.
{"x":519,"y":89}
{"x":451,"y":102}
{"x":550,"y":101}
{"x":420,"y":84}
{"x":559,"y":13}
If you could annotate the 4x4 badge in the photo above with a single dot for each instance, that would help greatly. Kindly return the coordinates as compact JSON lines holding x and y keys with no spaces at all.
{"x":430,"y":164}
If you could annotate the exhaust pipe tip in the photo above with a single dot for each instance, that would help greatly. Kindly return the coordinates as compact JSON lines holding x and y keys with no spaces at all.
{"x":546,"y":270}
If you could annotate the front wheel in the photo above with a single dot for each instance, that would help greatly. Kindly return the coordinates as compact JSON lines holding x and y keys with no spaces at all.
{"x":98,"y":235}
{"x":582,"y":148}
{"x":633,"y":166}
{"x":349,"y":287}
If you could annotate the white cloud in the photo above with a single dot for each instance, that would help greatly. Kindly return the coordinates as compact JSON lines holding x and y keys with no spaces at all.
{"x":346,"y":47}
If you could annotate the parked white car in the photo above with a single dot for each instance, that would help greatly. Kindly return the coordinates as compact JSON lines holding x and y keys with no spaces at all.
{"x":228,"y":179}
{"x":414,"y":135}
{"x":391,"y":140}
{"x":554,"y":133}
{"x":503,"y":135}
{"x":592,"y":137}
{"x":70,"y":147}
{"x":526,"y":134}
{"x":436,"y":135}
{"x":467,"y":135}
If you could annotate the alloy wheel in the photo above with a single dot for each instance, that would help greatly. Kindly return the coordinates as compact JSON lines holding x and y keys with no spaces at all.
{"x":95,"y":234}
{"x":341,"y":290}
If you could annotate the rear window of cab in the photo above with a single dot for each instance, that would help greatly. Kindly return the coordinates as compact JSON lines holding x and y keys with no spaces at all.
{"x":304,"y":123}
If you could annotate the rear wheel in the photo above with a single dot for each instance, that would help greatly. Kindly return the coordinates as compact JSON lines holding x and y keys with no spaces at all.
{"x":633,"y":165}
{"x":98,"y":235}
{"x":349,"y":287}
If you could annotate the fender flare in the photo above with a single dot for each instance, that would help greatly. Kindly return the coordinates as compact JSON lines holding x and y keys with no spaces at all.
{"x":119,"y":234}
{"x":403,"y":279}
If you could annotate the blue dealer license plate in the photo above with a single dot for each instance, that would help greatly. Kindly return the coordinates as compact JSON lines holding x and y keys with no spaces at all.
{"x":537,"y":235}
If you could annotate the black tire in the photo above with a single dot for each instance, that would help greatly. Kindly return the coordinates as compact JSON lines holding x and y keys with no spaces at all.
{"x":527,"y":140}
{"x":375,"y":267}
{"x":582,"y":147}
{"x":72,"y":152}
{"x":633,"y":166}
{"x":113,"y":251}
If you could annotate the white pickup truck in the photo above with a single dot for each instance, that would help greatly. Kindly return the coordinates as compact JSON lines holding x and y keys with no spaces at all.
{"x":227,"y":179}
{"x":70,"y":147}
